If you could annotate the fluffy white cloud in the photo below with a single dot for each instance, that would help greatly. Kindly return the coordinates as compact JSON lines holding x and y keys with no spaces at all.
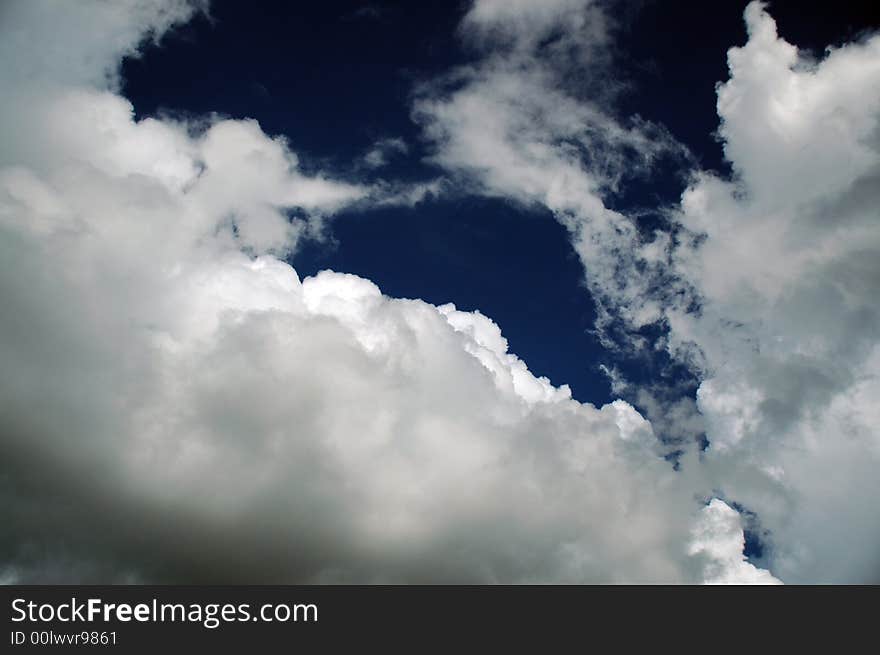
{"x":45,"y":42}
{"x":787,"y":274}
{"x":718,"y":538}
{"x":176,"y":404}
{"x":202,"y":414}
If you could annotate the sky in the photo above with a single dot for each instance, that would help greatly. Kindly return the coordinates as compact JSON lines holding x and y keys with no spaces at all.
{"x":491,"y":291}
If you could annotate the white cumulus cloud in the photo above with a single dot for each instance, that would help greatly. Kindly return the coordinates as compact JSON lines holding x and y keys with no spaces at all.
{"x":788,"y":274}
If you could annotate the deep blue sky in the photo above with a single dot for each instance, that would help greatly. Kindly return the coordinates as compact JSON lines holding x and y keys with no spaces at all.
{"x":336,"y":76}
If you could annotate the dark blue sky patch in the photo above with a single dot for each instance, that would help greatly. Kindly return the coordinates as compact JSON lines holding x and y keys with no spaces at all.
{"x":757,"y":538}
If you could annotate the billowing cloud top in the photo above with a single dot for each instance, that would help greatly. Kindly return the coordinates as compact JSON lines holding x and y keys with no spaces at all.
{"x":178,"y":405}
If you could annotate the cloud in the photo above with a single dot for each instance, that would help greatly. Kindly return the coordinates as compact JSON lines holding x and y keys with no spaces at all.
{"x":787,"y":272}
{"x":45,"y":43}
{"x":719,"y":538}
{"x":178,"y":405}
{"x":764,"y":286}
{"x":383,"y":150}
